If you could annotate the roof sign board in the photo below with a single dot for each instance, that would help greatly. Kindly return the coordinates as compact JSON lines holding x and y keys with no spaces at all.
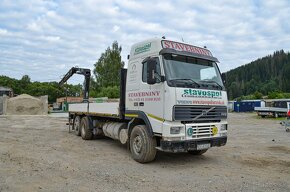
{"x":185,"y":47}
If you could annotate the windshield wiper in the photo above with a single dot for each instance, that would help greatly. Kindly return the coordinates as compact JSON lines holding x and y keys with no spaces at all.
{"x":188,"y":80}
{"x":211,"y":81}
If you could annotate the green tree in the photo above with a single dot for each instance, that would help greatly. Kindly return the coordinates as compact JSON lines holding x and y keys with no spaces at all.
{"x":258,"y":95}
{"x":107,"y":71}
{"x":108,"y":66}
{"x":25,"y":81}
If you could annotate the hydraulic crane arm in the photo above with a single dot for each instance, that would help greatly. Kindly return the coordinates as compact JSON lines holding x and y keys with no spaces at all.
{"x":81,"y":71}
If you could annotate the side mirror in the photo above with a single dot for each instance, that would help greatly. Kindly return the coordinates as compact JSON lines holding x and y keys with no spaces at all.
{"x":151,"y":70}
{"x":224,"y":77}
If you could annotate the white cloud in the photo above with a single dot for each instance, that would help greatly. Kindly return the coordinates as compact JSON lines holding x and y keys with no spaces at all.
{"x":51,"y":38}
{"x":34,"y":26}
{"x":3,"y":32}
{"x":116,"y":28}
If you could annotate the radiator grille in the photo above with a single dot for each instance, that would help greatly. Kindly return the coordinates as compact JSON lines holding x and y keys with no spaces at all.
{"x":200,"y":114}
{"x":202,"y":131}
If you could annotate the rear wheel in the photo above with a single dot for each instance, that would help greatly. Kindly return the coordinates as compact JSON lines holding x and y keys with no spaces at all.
{"x":197,"y":152}
{"x":86,"y":132}
{"x":76,"y":125}
{"x":142,"y":145}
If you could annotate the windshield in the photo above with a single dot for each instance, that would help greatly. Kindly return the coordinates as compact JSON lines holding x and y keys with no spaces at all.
{"x":184,"y":71}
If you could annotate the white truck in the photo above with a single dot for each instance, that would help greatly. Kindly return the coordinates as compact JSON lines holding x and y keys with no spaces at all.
{"x":172,"y":99}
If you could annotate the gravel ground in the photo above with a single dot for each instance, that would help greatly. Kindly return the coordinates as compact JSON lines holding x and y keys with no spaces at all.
{"x":38,"y":154}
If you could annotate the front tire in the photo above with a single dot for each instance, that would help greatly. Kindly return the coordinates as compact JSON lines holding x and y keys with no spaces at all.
{"x":77,"y":125}
{"x":142,"y":145}
{"x":197,"y":152}
{"x":86,"y":132}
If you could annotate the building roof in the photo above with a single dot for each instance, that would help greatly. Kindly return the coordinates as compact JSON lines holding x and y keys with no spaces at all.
{"x":5,"y":88}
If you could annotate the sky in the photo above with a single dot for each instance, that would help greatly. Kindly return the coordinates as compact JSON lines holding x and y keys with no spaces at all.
{"x":45,"y":38}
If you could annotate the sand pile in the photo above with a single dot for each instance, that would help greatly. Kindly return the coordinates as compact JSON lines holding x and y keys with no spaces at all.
{"x":26,"y":105}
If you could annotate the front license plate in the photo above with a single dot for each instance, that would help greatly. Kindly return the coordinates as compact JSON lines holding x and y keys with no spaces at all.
{"x":203,"y":146}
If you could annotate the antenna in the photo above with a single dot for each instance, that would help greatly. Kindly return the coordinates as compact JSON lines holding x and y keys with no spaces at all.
{"x":182,"y":39}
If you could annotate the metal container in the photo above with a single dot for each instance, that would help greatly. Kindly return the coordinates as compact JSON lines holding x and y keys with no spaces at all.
{"x":112,"y":129}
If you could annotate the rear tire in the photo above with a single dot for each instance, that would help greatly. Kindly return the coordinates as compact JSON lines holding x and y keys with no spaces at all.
{"x":86,"y":132}
{"x":77,"y":125}
{"x":142,"y":145}
{"x":197,"y":152}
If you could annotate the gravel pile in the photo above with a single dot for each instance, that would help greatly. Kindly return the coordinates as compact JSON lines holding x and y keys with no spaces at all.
{"x":25,"y":105}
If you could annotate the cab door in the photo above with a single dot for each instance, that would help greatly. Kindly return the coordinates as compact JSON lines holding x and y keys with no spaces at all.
{"x":152,"y":96}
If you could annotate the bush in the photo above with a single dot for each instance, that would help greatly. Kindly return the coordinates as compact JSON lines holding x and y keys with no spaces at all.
{"x":110,"y":92}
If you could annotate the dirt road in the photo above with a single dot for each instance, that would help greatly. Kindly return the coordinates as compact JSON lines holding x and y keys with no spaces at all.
{"x":38,"y":154}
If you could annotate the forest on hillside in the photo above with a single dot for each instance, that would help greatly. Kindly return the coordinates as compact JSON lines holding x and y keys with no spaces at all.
{"x":269,"y":75}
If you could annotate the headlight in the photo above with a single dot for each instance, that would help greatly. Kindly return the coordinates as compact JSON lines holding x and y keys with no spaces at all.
{"x":175,"y":130}
{"x":224,"y":127}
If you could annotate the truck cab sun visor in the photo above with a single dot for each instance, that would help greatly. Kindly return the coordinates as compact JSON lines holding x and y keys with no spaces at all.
{"x":189,"y":54}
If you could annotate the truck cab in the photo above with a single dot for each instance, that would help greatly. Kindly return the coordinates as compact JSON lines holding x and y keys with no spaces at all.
{"x":177,"y":90}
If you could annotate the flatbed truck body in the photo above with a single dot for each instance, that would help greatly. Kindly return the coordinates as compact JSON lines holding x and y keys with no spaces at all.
{"x":272,"y":111}
{"x":172,"y":99}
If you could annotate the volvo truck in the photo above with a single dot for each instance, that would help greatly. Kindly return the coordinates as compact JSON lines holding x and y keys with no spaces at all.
{"x":172,"y":99}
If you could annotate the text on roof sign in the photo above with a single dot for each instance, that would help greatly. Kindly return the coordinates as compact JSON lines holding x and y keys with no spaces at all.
{"x":185,"y":47}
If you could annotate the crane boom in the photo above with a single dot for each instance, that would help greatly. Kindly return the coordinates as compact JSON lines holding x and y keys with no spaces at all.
{"x":81,"y":71}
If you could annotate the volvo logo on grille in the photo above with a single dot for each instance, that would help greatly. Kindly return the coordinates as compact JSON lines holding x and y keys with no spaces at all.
{"x":204,"y":112}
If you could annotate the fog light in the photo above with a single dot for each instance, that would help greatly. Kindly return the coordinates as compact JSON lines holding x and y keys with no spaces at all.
{"x":215,"y":130}
{"x":175,"y":130}
{"x":224,"y":127}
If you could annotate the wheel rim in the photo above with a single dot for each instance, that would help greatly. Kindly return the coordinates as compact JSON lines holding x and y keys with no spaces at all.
{"x":137,"y":144}
{"x":83,"y":130}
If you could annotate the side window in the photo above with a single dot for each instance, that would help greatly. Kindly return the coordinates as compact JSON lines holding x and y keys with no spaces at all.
{"x":144,"y":71}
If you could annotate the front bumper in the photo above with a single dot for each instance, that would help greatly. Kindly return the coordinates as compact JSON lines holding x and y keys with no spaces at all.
{"x":184,"y":146}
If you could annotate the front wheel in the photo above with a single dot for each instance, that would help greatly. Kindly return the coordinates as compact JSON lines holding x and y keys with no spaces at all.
{"x":197,"y":152}
{"x":142,"y":145}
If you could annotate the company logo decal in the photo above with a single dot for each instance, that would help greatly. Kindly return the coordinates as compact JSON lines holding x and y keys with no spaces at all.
{"x":189,"y":131}
{"x":142,"y":49}
{"x":202,"y":94}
